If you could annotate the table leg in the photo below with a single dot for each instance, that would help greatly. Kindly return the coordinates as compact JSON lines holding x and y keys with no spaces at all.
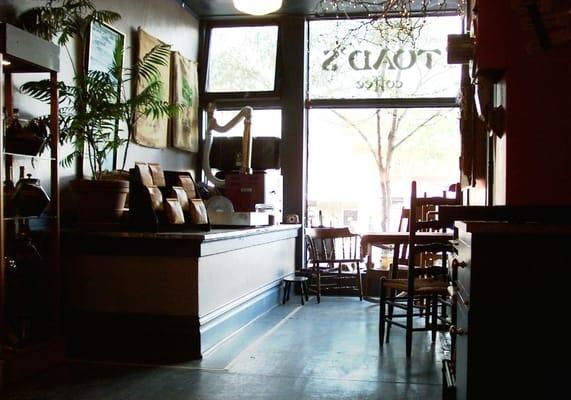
{"x":369,"y":256}
{"x":395,"y":266}
{"x":287,"y":288}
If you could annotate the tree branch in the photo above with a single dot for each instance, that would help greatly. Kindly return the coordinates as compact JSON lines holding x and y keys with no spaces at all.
{"x":411,"y":133}
{"x":370,"y":147}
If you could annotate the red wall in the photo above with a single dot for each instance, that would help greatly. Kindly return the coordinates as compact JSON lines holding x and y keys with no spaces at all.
{"x":538,"y":102}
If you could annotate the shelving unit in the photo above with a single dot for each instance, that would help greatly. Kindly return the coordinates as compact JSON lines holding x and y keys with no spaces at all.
{"x":29,"y":343}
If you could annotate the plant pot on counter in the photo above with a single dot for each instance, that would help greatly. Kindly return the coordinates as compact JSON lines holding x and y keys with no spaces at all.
{"x":99,"y":204}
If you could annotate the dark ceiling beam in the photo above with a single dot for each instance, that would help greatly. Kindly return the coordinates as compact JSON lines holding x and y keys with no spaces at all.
{"x":187,"y":7}
{"x":220,"y":9}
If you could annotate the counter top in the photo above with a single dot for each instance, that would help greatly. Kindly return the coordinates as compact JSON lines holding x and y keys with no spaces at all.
{"x":197,"y":243}
{"x":213,"y":234}
{"x":501,"y":227}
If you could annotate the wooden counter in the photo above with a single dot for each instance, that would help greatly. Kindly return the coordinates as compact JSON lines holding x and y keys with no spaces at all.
{"x":165,"y":297}
{"x":512,"y":303}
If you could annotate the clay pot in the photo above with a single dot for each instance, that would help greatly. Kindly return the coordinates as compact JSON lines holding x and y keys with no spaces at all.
{"x":99,"y":204}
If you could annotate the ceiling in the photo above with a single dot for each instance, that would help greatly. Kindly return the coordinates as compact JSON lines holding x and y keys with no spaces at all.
{"x":224,"y":8}
{"x":212,"y":9}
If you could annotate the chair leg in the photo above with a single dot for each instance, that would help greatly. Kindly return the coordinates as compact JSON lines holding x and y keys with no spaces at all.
{"x":359,"y":282}
{"x":318,"y":288}
{"x":434,"y":301}
{"x":306,"y":290}
{"x":453,"y":321}
{"x":426,"y":308}
{"x":409,"y":312}
{"x":302,"y":289}
{"x":391,"y":310}
{"x":382,"y":315}
{"x":288,"y":290}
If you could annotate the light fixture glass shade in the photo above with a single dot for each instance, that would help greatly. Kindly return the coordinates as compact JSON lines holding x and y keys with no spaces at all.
{"x":257,"y":7}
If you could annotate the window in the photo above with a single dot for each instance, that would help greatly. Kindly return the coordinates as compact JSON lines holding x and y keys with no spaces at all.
{"x":242,"y":59}
{"x":344,"y":171}
{"x":382,"y":113}
{"x":226,"y":151}
{"x":267,"y":122}
{"x":353,"y":59}
{"x":242,"y":70}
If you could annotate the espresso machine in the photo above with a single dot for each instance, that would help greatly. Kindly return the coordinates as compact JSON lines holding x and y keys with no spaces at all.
{"x":249,"y":177}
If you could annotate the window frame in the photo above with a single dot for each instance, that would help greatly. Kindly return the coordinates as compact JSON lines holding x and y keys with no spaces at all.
{"x":231,"y":100}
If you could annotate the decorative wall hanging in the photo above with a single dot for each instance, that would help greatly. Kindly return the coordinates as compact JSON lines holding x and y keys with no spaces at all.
{"x":185,"y":92}
{"x":152,"y":132}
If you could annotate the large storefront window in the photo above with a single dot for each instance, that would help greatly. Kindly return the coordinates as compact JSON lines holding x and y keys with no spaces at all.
{"x":382,"y":113}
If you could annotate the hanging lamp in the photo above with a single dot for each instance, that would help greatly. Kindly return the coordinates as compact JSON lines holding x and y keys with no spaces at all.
{"x":257,"y":7}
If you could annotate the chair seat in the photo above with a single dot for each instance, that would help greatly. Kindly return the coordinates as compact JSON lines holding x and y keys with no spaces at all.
{"x":295,"y":278}
{"x":403,"y":268}
{"x":421,"y":286}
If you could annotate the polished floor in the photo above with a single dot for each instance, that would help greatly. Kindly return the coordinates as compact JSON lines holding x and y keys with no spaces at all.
{"x":316,"y":351}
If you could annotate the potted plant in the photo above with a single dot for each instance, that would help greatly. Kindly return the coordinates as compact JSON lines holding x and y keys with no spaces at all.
{"x":91,"y":103}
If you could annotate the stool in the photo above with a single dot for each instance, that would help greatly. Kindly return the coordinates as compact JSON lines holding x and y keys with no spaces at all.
{"x":302,"y":280}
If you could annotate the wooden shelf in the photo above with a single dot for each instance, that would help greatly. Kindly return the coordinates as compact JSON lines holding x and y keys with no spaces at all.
{"x":40,"y":158}
{"x":26,"y":52}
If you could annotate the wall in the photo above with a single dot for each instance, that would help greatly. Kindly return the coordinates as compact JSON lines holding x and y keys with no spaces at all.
{"x":534,"y":153}
{"x":166,"y":20}
{"x":294,"y":143}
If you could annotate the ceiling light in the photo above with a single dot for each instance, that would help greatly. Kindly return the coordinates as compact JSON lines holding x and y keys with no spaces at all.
{"x":6,"y":62}
{"x":257,"y":7}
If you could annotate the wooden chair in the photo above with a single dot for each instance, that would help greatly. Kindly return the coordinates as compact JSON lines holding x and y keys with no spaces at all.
{"x":425,"y":284}
{"x":335,"y":262}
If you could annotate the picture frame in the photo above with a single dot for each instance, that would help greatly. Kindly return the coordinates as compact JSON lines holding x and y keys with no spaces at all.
{"x":153,"y":132}
{"x":103,"y":41}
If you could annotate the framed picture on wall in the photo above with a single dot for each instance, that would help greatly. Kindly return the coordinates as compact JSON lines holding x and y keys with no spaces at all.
{"x":104,"y":43}
{"x":152,"y":132}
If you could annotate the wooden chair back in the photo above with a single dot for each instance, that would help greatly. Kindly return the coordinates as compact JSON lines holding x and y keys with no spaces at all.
{"x":330,"y":245}
{"x":403,"y":227}
{"x":428,"y":221}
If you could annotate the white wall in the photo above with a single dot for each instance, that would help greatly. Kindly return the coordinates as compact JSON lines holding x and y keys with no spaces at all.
{"x":169,"y":22}
{"x":165,"y":19}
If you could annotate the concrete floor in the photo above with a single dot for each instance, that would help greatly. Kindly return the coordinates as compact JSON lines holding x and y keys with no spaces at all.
{"x":318,"y":351}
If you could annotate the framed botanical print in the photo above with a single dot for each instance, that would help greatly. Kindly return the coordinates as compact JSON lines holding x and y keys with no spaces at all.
{"x":152,"y":132}
{"x":105,"y":42}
